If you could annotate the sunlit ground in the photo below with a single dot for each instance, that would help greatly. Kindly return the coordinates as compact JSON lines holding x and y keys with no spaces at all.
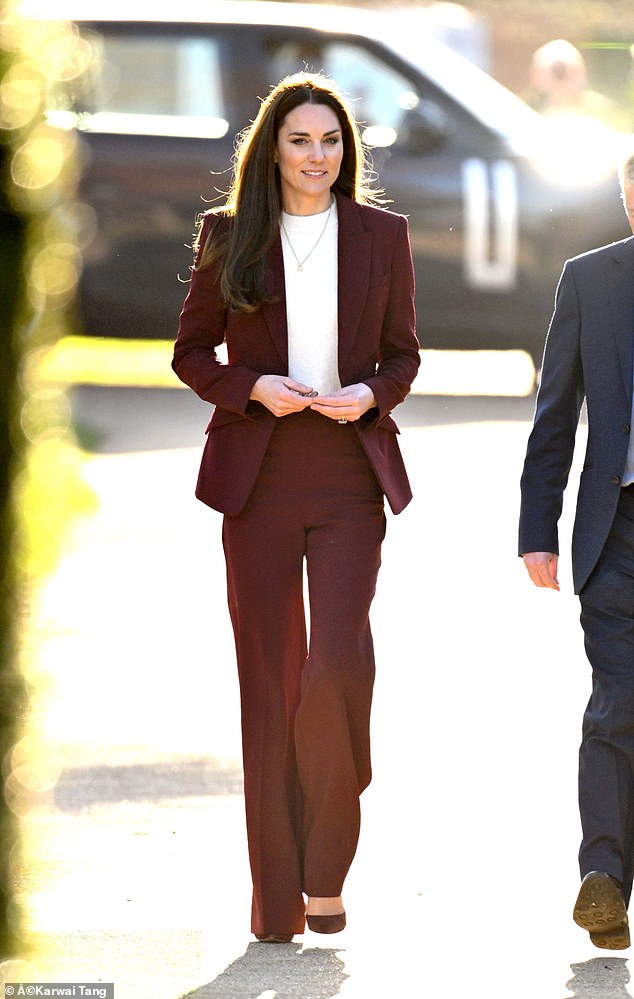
{"x":146,"y":363}
{"x":138,"y":870}
{"x":134,"y":828}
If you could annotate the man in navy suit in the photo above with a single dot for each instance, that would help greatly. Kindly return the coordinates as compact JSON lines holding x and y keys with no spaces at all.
{"x":589,"y":355}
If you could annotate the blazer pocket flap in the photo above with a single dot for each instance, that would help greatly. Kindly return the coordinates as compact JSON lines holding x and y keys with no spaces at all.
{"x":222,"y":417}
{"x":256,"y":413}
{"x":387,"y":423}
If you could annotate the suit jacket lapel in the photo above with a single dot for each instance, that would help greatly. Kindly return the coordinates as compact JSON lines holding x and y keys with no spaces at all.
{"x":355,"y":258}
{"x":275,"y":313}
{"x":621,"y":290}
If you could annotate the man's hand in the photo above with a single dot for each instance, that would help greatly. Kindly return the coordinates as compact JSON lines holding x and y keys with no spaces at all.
{"x":542,"y":568}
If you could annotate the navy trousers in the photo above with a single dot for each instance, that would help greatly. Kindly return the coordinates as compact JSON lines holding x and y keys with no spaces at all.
{"x":305,"y":696}
{"x":606,"y":758}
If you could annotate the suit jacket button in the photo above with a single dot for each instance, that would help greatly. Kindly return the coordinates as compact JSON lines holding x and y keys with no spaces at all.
{"x":626,"y":428}
{"x":616,"y":480}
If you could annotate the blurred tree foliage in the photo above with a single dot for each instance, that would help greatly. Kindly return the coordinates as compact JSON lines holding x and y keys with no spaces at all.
{"x":13,"y":239}
{"x":38,"y":467}
{"x":595,"y":15}
{"x":567,"y":17}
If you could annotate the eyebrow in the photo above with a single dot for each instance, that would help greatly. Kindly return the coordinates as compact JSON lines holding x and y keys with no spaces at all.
{"x":333,"y":131}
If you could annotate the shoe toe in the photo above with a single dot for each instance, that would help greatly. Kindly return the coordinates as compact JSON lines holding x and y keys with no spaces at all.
{"x":327,"y":924}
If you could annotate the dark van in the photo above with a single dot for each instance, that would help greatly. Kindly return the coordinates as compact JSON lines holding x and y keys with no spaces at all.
{"x":496,"y":197}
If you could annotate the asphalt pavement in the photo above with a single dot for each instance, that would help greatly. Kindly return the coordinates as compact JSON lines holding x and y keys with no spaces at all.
{"x":135,"y":868}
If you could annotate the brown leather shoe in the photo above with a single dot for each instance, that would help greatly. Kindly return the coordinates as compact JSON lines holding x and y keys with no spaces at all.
{"x":600,"y":909}
{"x":274,"y":937}
{"x":326,"y":924}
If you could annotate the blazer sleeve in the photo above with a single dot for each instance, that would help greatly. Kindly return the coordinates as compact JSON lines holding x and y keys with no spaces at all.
{"x":552,"y":440}
{"x":202,"y":328}
{"x":399,"y":356}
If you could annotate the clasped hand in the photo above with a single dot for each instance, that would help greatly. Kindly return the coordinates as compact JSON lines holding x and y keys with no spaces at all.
{"x":282,"y":395}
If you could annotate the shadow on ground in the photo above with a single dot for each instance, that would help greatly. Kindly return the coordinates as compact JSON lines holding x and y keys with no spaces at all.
{"x":285,"y":971}
{"x":600,"y":978}
{"x":113,"y":420}
{"x":82,"y":787}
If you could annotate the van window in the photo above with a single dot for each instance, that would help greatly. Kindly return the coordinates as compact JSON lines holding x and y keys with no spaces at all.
{"x":380,"y":95}
{"x":151,"y":85}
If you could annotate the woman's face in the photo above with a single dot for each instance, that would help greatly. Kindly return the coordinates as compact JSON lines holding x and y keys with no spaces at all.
{"x":309,"y":151}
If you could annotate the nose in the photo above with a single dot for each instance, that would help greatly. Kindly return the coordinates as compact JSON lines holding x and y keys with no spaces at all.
{"x":316,"y":151}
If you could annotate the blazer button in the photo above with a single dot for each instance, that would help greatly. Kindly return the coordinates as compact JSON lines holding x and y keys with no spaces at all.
{"x":616,"y":480}
{"x":626,"y":428}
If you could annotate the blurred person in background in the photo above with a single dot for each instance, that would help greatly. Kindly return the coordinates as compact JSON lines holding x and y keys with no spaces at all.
{"x":589,"y":355}
{"x":558,"y":86}
{"x":311,"y":286}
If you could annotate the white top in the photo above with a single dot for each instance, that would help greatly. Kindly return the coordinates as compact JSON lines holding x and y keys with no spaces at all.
{"x":311,"y":298}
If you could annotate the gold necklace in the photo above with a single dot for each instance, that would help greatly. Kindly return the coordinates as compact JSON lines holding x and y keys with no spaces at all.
{"x":300,"y":263}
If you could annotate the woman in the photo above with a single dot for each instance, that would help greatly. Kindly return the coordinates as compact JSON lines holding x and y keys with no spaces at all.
{"x":312,"y":289}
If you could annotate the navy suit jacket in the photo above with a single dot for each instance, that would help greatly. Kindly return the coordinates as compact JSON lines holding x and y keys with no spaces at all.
{"x":377,"y":345}
{"x":588,"y":354}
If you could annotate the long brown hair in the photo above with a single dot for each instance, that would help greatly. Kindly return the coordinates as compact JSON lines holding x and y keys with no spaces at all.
{"x":254,"y":200}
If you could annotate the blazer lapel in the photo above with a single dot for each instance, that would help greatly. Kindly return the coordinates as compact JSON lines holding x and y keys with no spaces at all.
{"x":355,"y":258}
{"x":275,"y":312}
{"x":621,"y":289}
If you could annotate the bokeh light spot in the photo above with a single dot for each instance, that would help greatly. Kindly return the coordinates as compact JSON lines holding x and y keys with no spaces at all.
{"x":55,"y":269}
{"x":35,"y":765}
{"x":37,"y":163}
{"x":20,"y":96}
{"x":45,"y":415}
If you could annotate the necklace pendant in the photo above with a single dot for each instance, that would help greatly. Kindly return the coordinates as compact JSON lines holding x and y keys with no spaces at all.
{"x":300,"y":263}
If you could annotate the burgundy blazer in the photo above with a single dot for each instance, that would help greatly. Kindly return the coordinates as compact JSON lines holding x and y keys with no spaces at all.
{"x":377,"y":345}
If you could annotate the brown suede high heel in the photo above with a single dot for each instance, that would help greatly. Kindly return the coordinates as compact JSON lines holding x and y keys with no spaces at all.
{"x":326,"y":924}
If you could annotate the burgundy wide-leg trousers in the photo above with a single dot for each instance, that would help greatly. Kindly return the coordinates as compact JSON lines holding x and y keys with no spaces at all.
{"x":305,"y":702}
